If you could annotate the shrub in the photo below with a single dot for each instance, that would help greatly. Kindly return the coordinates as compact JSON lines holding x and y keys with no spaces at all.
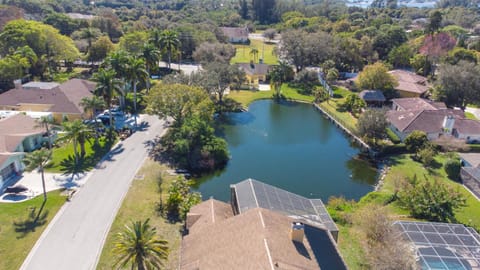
{"x":393,"y":137}
{"x":425,"y":155}
{"x":452,"y":167}
{"x":416,"y":141}
{"x":431,"y":200}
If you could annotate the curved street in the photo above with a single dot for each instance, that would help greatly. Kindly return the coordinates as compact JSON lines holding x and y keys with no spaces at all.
{"x":75,"y":237}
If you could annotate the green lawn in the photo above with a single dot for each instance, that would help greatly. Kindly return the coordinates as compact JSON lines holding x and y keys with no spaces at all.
{"x":242,"y":54}
{"x":402,"y":166}
{"x":140,"y":204}
{"x":470,"y":115}
{"x":64,"y":76}
{"x":332,"y":107}
{"x":245,"y":97}
{"x":18,"y":229}
{"x":62,"y":156}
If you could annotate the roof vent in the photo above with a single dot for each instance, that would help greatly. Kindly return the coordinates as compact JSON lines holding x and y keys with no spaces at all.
{"x":297,"y":232}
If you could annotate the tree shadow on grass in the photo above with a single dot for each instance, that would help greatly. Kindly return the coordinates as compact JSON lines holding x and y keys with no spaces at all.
{"x":87,"y":163}
{"x":34,"y":220}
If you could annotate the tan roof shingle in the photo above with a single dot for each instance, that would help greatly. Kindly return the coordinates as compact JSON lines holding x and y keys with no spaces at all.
{"x":410,"y":82}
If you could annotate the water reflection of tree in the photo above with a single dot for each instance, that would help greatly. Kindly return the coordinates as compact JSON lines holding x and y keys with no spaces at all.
{"x":362,"y":171}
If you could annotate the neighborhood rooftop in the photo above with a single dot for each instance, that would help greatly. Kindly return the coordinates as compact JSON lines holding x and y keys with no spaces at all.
{"x":372,"y":95}
{"x":255,"y":239}
{"x":443,"y":245}
{"x":416,"y":103}
{"x":251,"y":193}
{"x":410,"y":82}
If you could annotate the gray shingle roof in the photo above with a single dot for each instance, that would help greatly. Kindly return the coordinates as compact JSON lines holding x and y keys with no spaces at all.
{"x":372,"y":95}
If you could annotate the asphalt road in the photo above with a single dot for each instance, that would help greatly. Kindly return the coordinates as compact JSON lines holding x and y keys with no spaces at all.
{"x":74,"y":239}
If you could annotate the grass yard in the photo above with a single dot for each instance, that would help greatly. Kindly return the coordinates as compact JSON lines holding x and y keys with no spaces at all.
{"x":402,"y":166}
{"x":62,"y":156}
{"x":140,"y":204}
{"x":65,"y":76}
{"x":18,"y":229}
{"x":245,"y":97}
{"x":470,"y":115}
{"x":243,"y":55}
{"x":332,"y":107}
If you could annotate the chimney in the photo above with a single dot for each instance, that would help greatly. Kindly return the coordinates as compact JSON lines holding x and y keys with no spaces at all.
{"x":18,"y":84}
{"x":448,"y":123}
{"x":297,"y":232}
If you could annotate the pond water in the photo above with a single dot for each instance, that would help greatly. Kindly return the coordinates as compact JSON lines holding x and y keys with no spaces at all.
{"x":291,"y":146}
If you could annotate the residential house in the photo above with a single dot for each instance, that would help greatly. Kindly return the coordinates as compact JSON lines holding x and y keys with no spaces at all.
{"x":247,"y":235}
{"x":62,"y":100}
{"x":416,"y":103}
{"x":18,"y":134}
{"x":236,"y":34}
{"x":373,"y":98}
{"x":255,"y":73}
{"x":410,"y":84}
{"x":435,"y":123}
{"x":470,"y":172}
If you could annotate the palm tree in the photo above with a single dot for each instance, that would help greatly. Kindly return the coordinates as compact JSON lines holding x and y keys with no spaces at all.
{"x":89,"y":34}
{"x":38,"y":159}
{"x":155,"y":39}
{"x":77,"y":133}
{"x":46,"y":122}
{"x":107,"y":87}
{"x":170,"y":42}
{"x":254,"y":53}
{"x":276,"y":80}
{"x":118,"y":61}
{"x":139,"y":247}
{"x":91,"y":105}
{"x":151,"y":55}
{"x":136,"y":71}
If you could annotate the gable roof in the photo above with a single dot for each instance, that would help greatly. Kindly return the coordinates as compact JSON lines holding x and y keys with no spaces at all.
{"x":430,"y":121}
{"x":254,"y":69}
{"x":14,"y":129}
{"x":235,"y":32}
{"x":372,"y":95}
{"x":467,"y":126}
{"x":64,"y":98}
{"x":410,"y":82}
{"x":416,"y":103}
{"x":256,"y":239}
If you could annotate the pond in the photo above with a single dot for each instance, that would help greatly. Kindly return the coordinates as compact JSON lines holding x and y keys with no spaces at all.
{"x":292,"y":146}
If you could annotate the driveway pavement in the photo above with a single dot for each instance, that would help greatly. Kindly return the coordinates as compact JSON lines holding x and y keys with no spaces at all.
{"x":53,"y":181}
{"x":474,"y":111}
{"x":75,"y":237}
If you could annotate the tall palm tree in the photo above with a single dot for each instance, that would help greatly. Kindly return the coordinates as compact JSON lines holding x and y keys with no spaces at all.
{"x":77,"y":133}
{"x":254,"y":53}
{"x":139,"y":247}
{"x":151,"y":55}
{"x":170,"y":42}
{"x":107,"y":87}
{"x":118,"y":61}
{"x":155,"y":39}
{"x":136,"y":72}
{"x":276,"y":80}
{"x":38,"y":159}
{"x":46,"y":122}
{"x":91,"y":105}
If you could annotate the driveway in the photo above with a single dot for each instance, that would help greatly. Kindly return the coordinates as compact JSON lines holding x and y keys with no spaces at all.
{"x":53,"y":181}
{"x":474,"y":111}
{"x":75,"y":237}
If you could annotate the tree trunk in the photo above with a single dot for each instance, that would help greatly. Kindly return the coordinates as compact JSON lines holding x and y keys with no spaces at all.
{"x":169,"y":59}
{"x":148,"y":79}
{"x":75,"y":151}
{"x":135,"y":102}
{"x":48,"y":136}
{"x":43,"y":185}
